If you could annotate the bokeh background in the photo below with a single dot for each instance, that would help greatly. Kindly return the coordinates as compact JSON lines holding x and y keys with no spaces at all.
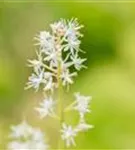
{"x":109,"y":40}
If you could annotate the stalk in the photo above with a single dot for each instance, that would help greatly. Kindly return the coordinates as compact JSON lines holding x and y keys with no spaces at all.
{"x":60,"y":104}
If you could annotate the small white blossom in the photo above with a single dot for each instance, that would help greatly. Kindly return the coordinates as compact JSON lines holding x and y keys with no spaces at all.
{"x":52,"y":57}
{"x":83,"y":126}
{"x":68,"y":134}
{"x":39,"y":145}
{"x":59,"y":27}
{"x":77,"y":61}
{"x":45,"y":41}
{"x":36,"y":63}
{"x":48,"y":81}
{"x":73,"y":29}
{"x":73,"y":44}
{"x":25,"y":137}
{"x":15,"y":145}
{"x":49,"y":85}
{"x":46,"y":108}
{"x":67,"y":77}
{"x":20,"y":130}
{"x":75,"y":26}
{"x":82,"y":104}
{"x":72,"y":36}
{"x":35,"y":80}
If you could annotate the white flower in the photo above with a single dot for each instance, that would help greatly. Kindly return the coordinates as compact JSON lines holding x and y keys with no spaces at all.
{"x":45,"y":40}
{"x":52,"y":57}
{"x":77,"y":61}
{"x":72,"y":36}
{"x":82,"y":104}
{"x":15,"y":145}
{"x":74,"y":24}
{"x":48,"y":81}
{"x":59,"y":27}
{"x":39,"y":145}
{"x":36,"y":63}
{"x":25,"y":137}
{"x":68,"y":134}
{"x":30,"y":145}
{"x":46,"y":108}
{"x":35,"y":79}
{"x":20,"y":130}
{"x":73,"y":28}
{"x":73,"y":45}
{"x":67,"y":77}
{"x":37,"y":135}
{"x":49,"y":84}
{"x":83,"y":126}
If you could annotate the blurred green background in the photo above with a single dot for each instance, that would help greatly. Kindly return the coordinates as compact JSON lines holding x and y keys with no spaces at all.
{"x":109,"y":40}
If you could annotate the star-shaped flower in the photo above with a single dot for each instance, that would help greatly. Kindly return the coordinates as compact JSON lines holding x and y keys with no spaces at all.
{"x":68,"y":134}
{"x":46,"y":108}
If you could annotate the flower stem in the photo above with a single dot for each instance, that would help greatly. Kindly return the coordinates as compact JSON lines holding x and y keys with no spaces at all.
{"x":47,"y":67}
{"x":70,"y":106}
{"x":60,"y":104}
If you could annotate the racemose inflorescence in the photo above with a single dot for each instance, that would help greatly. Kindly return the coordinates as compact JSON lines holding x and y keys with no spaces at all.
{"x":54,"y":68}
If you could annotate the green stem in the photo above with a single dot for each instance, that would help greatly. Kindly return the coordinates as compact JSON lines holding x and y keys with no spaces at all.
{"x":69,"y":107}
{"x":60,"y":105}
{"x":47,"y":67}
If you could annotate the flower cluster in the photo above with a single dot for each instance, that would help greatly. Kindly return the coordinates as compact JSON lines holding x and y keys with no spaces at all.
{"x":26,"y":138}
{"x":58,"y":52}
{"x":81,"y":105}
{"x":57,"y":58}
{"x":46,"y":108}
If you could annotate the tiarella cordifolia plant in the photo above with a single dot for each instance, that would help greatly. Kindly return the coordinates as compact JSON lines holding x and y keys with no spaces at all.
{"x":57,"y":57}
